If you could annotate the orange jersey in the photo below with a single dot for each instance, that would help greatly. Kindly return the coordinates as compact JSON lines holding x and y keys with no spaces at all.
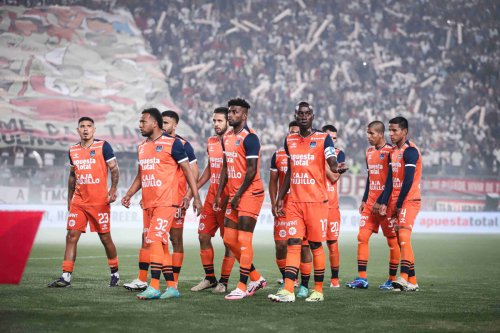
{"x":158,"y":164}
{"x":238,"y":147}
{"x":406,"y":156}
{"x":180,"y":175}
{"x":308,"y":162}
{"x":377,"y":163}
{"x":91,"y":172}
{"x":332,"y":189}
{"x":215,"y":160}
{"x":279,"y":164}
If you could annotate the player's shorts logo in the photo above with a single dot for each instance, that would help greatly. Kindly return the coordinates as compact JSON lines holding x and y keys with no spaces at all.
{"x":71,"y":223}
{"x":201,"y":226}
{"x":282,"y":233}
{"x":292,"y":231}
{"x":228,"y":211}
{"x":92,"y":153}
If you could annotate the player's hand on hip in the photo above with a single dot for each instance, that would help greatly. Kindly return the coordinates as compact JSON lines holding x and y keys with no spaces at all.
{"x":112,"y":195}
{"x":126,"y":201}
{"x":362,"y":207}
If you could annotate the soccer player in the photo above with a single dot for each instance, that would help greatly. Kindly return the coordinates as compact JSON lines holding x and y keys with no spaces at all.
{"x":240,"y":171}
{"x":170,"y":122}
{"x":378,"y":166}
{"x":405,"y":176}
{"x":307,"y":208}
{"x":89,"y":198}
{"x":333,"y":229}
{"x":211,"y":220}
{"x":279,"y":166}
{"x":160,"y":155}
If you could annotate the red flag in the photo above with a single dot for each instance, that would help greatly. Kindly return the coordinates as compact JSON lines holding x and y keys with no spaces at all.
{"x":17,"y":233}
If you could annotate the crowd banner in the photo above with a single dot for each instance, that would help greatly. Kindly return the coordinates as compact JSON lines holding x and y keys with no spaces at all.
{"x":427,"y":222}
{"x":61,"y":63}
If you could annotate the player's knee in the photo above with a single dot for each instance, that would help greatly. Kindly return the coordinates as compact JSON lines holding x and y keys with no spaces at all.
{"x":281,"y":247}
{"x":205,"y":240}
{"x":294,"y":241}
{"x":72,"y":237}
{"x":314,"y":245}
{"x":363,"y":237}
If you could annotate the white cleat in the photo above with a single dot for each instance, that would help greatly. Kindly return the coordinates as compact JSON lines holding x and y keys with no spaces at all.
{"x":220,"y":289}
{"x":412,"y":287}
{"x":136,"y":285}
{"x":253,"y":286}
{"x":236,"y":294}
{"x":282,"y":296}
{"x":204,"y":284}
{"x":400,"y":284}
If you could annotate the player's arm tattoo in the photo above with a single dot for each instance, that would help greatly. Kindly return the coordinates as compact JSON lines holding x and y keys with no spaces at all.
{"x":115,"y":173}
{"x":249,"y":176}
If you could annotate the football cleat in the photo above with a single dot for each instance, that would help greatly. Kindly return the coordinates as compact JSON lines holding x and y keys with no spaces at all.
{"x":282,"y":296}
{"x":303,"y":292}
{"x":149,"y":293}
{"x":386,"y":286}
{"x":412,"y":287}
{"x":334,"y":283}
{"x":253,"y":286}
{"x":220,"y":288}
{"x":170,"y":292}
{"x":316,"y":296}
{"x":136,"y":285}
{"x":358,"y":283}
{"x":115,"y":280}
{"x":59,"y":283}
{"x":204,"y":284}
{"x":280,"y":281}
{"x":400,"y":284}
{"x":236,"y":294}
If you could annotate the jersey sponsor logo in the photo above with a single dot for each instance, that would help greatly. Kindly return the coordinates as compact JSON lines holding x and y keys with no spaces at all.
{"x":216,"y":162}
{"x":301,"y":159}
{"x":159,"y":148}
{"x":376,"y":186}
{"x":150,"y":181}
{"x":148,"y":163}
{"x":231,"y":156}
{"x":232,"y":173}
{"x":85,"y":164}
{"x":215,"y":178}
{"x":87,"y":179}
{"x":302,"y":178}
{"x":374,"y":169}
{"x":292,"y":145}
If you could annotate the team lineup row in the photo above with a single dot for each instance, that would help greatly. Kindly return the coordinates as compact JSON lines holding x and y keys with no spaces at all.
{"x":302,"y":188}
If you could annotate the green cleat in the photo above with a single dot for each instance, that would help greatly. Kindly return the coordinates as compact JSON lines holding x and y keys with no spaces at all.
{"x":149,"y":293}
{"x":316,"y":296}
{"x":303,"y":292}
{"x":171,"y":292}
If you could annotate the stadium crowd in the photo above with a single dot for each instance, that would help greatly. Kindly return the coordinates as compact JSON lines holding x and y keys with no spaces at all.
{"x":435,"y":63}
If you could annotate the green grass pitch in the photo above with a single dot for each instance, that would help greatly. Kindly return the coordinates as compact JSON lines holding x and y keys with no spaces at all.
{"x":458,"y":276}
